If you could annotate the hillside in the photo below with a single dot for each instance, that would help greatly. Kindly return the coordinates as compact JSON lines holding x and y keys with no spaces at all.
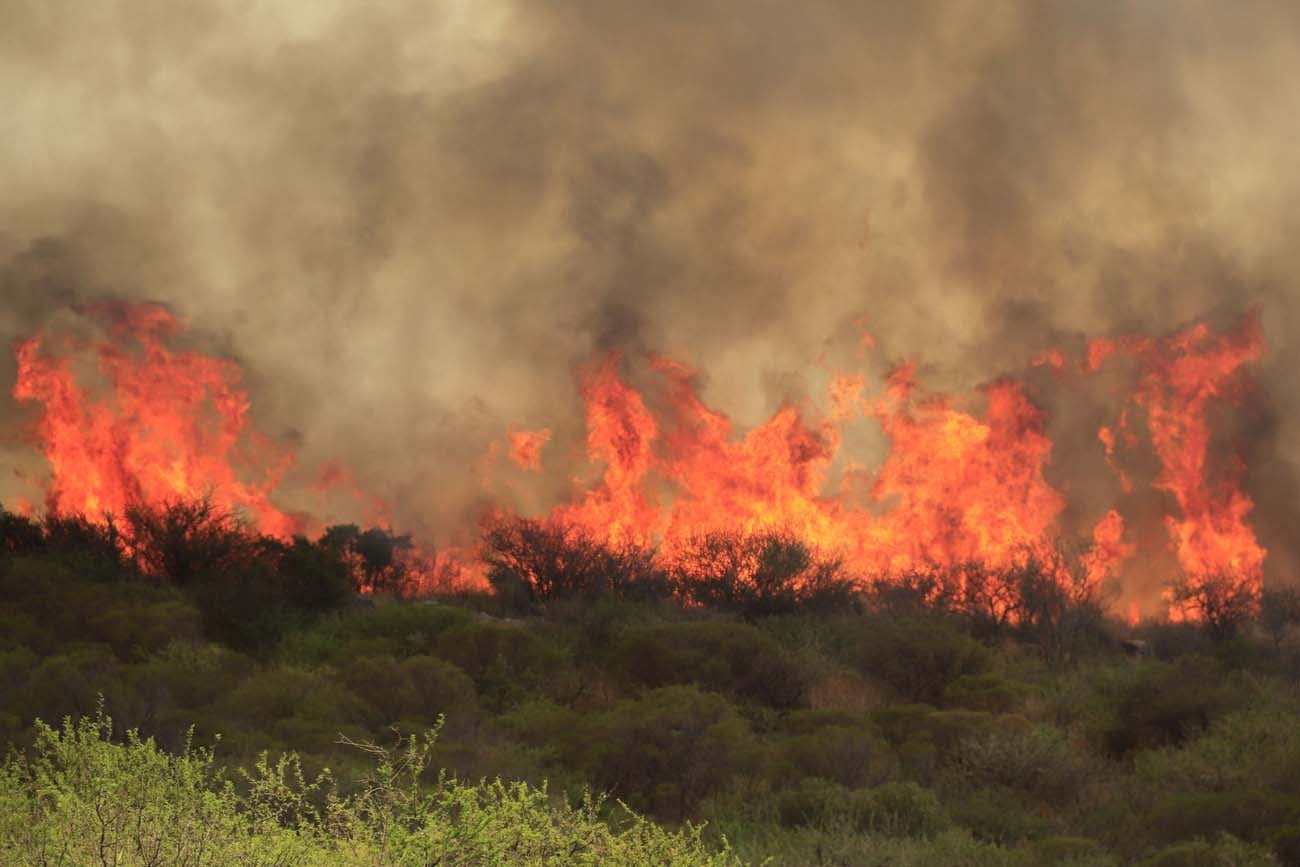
{"x":851,"y":727}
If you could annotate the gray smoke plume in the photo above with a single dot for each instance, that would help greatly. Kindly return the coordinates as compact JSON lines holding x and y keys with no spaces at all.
{"x":411,"y":221}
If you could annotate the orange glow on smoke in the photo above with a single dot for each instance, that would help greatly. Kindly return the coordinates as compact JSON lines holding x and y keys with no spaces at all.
{"x":526,"y":448}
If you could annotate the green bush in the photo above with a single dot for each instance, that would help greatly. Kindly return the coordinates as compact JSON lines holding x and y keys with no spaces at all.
{"x":1167,"y":704}
{"x":1066,"y":852}
{"x":507,"y":661}
{"x":85,"y":799}
{"x":1039,"y":762}
{"x":1224,"y":851}
{"x":852,"y":755}
{"x":918,"y":658}
{"x":988,"y":692}
{"x":416,"y":688}
{"x":899,"y":809}
{"x":667,"y":749}
{"x":734,"y":658}
{"x":1243,"y":813}
{"x":995,"y":814}
{"x":371,"y":628}
{"x":892,"y":809}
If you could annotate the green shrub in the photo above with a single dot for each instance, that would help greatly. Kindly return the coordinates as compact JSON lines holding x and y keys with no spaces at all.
{"x":899,"y":809}
{"x":416,"y":688}
{"x":84,"y":799}
{"x":812,"y":801}
{"x":507,"y":661}
{"x":988,"y":692}
{"x":1256,"y":747}
{"x":995,"y":814}
{"x":734,"y":658}
{"x":1167,"y":704}
{"x":667,"y":749}
{"x":370,"y":628}
{"x":1066,"y":852}
{"x":1224,"y":851}
{"x":1038,"y":761}
{"x":1243,"y":813}
{"x":853,"y":756}
{"x":890,"y":809}
{"x":918,"y":658}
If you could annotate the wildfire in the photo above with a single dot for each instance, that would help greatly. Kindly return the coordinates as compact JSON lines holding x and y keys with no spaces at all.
{"x":130,"y":417}
{"x":166,"y":425}
{"x":962,"y":486}
{"x":1182,"y":379}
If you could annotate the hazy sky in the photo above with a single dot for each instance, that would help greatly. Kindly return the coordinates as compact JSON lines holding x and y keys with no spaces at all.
{"x":411,"y":220}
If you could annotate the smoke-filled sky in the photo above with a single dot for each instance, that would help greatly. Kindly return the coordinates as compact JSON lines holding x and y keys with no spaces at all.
{"x":411,"y":221}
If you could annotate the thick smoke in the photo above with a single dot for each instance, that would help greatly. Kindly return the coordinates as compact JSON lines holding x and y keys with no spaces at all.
{"x":411,"y":221}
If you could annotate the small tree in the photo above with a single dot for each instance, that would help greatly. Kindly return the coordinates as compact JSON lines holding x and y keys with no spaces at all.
{"x":18,"y":533}
{"x":377,"y":557}
{"x":1279,"y":610}
{"x":188,"y":541}
{"x":545,"y":560}
{"x":767,"y":572}
{"x":1221,"y":601}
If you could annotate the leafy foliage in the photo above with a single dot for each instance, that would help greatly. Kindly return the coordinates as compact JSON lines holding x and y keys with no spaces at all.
{"x":85,"y":799}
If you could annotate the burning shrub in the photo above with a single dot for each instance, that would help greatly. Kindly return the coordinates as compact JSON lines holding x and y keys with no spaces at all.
{"x":19,"y":534}
{"x":377,"y":558}
{"x":535,"y":560}
{"x":189,"y":541}
{"x":95,"y":550}
{"x":768,"y":572}
{"x":1221,"y":601}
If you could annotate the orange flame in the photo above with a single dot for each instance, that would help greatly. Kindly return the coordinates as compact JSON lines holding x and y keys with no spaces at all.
{"x":1182,"y":378}
{"x":168,"y":424}
{"x":526,"y":448}
{"x":130,"y":417}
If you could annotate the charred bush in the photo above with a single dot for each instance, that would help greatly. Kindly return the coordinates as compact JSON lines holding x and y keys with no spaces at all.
{"x":377,"y":558}
{"x":758,"y":574}
{"x":1222,"y":602}
{"x":533,"y":560}
{"x":1279,"y":612}
{"x":19,"y":534}
{"x":96,"y":550}
{"x":188,"y":542}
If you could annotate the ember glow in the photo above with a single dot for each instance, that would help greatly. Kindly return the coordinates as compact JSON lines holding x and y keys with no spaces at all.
{"x":129,"y":417}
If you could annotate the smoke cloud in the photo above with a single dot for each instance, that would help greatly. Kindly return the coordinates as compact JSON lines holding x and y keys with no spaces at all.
{"x":411,"y":221}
